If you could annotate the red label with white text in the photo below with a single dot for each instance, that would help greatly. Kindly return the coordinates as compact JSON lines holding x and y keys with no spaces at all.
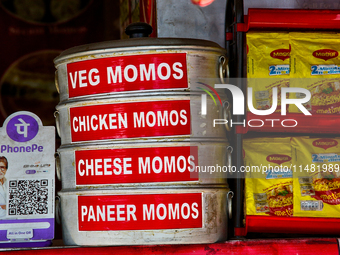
{"x":282,"y":54}
{"x":140,"y":212}
{"x":127,"y":73}
{"x":136,"y":165}
{"x":278,"y":158}
{"x":325,"y":143}
{"x":130,"y":120}
{"x":325,"y":54}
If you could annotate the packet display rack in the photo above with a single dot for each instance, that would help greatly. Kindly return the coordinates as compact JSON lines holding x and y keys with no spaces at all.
{"x":260,"y":19}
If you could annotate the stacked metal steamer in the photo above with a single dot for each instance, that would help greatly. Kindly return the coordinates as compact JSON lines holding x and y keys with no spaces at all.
{"x":132,"y":136}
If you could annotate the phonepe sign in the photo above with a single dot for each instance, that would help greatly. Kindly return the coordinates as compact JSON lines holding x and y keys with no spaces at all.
{"x":29,"y":148}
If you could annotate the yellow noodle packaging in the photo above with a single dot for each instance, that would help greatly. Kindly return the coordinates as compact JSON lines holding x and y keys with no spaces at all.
{"x":298,"y":176}
{"x":269,"y":186}
{"x":267,"y":57}
{"x":315,"y":65}
{"x":317,"y":176}
{"x":303,"y":60}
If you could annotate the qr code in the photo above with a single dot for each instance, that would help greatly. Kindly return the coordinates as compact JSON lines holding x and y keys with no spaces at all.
{"x":28,"y":197}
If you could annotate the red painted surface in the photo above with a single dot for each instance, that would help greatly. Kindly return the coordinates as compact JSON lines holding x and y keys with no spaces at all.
{"x":287,"y":19}
{"x":240,"y":232}
{"x":127,"y":73}
{"x":296,"y":225}
{"x":229,"y":36}
{"x":136,"y":165}
{"x":326,"y":246}
{"x":148,"y":14}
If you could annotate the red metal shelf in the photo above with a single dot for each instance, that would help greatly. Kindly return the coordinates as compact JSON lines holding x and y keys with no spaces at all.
{"x":302,"y":246}
{"x":296,"y":225}
{"x":290,"y":19}
{"x":315,"y":124}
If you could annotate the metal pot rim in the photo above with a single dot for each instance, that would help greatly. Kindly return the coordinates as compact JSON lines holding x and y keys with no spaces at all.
{"x":124,"y":44}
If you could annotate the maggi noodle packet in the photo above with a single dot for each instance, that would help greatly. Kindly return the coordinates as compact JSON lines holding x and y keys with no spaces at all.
{"x":269,"y":183}
{"x":316,"y":176}
{"x":267,"y":66}
{"x":315,"y":65}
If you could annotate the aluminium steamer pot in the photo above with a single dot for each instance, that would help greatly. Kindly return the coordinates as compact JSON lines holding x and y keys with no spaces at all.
{"x":138,"y":65}
{"x":140,"y":118}
{"x":144,"y":216}
{"x":143,"y":164}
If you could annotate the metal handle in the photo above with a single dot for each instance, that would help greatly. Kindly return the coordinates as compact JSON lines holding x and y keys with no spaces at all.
{"x":57,"y":210}
{"x":227,"y":114}
{"x":57,"y":123}
{"x":229,"y":160}
{"x":57,"y":165}
{"x":56,"y":81}
{"x":223,"y":69}
{"x":230,"y":196}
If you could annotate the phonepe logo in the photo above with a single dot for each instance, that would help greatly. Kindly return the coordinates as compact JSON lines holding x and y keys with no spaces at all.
{"x":238,"y":105}
{"x":22,"y":128}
